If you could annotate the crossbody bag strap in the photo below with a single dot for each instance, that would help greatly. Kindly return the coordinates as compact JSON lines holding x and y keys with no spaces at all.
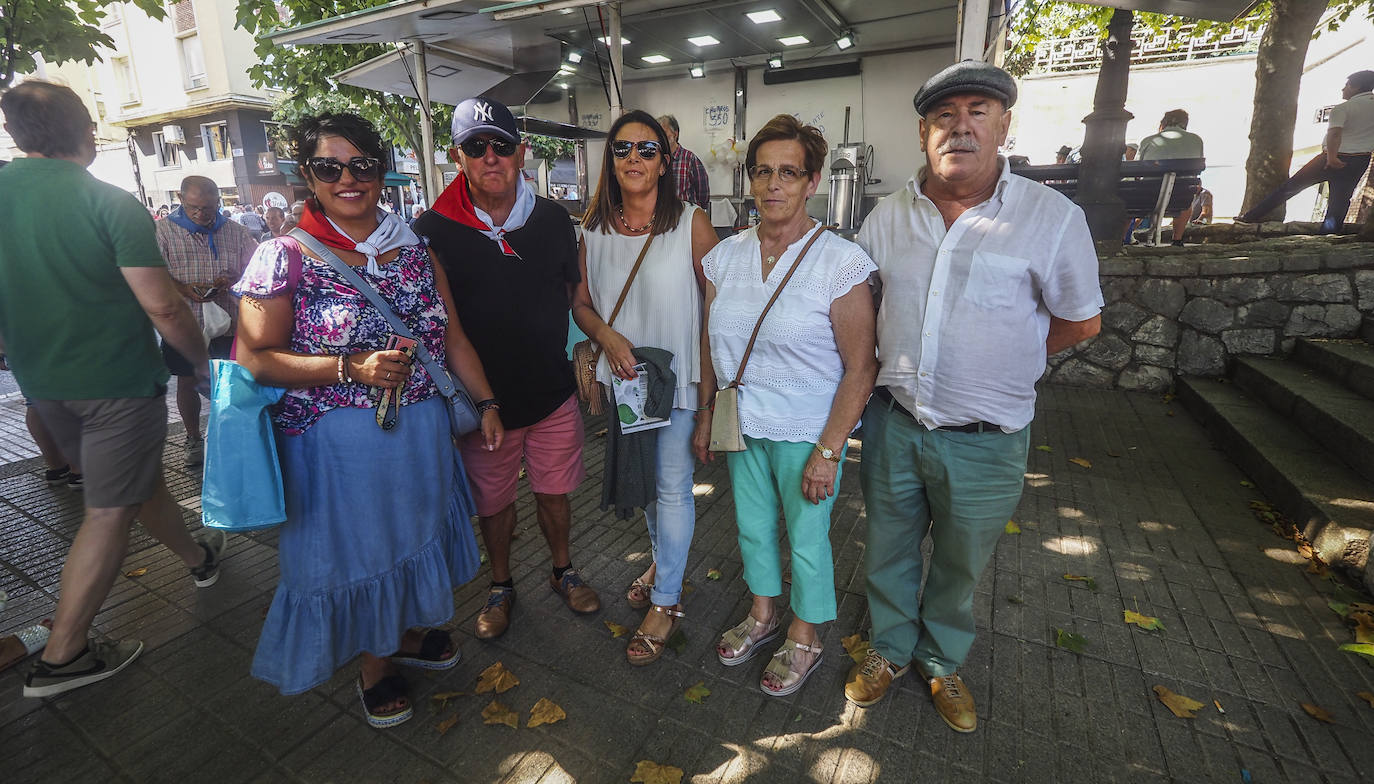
{"x":644,"y":251}
{"x":744,"y":360}
{"x":442,"y":378}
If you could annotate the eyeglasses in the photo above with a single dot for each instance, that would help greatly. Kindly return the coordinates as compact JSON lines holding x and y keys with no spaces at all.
{"x":212,"y":207}
{"x":647,"y":150}
{"x":331,"y":169}
{"x":477,"y":148}
{"x":785,"y":173}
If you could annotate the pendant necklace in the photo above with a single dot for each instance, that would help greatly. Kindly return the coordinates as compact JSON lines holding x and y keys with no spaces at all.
{"x":628,"y":227}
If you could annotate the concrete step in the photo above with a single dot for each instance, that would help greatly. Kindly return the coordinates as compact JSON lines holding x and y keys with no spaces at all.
{"x":1330,"y":503}
{"x":1335,"y":416}
{"x":1367,"y":329}
{"x":1350,"y":362}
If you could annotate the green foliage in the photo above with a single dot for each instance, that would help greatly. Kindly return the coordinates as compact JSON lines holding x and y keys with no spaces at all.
{"x":58,"y":31}
{"x":550,"y":149}
{"x":304,"y":73}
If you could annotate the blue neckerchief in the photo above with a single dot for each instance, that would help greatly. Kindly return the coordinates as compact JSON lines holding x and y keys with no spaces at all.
{"x":180,"y":219}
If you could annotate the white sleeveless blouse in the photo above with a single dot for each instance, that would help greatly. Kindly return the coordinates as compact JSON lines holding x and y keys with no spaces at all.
{"x":663,"y":308}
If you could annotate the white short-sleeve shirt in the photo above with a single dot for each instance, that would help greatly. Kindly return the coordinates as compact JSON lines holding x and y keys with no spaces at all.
{"x":1355,"y":118}
{"x":795,"y":368}
{"x":965,"y":312}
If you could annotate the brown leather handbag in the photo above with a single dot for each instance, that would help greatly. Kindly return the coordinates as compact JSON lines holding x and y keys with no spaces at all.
{"x":727,"y":435}
{"x":585,"y":357}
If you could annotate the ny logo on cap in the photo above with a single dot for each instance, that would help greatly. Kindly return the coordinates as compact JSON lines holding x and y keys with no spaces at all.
{"x":481,"y":112}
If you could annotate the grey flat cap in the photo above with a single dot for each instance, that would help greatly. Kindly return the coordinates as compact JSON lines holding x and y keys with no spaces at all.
{"x":969,"y":76}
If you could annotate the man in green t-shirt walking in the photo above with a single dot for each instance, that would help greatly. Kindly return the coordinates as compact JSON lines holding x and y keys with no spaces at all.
{"x":79,"y":301}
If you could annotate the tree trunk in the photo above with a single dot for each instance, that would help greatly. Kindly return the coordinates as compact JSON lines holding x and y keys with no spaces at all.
{"x":1278,"y":75}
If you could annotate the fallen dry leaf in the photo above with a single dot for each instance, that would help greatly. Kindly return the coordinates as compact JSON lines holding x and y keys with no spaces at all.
{"x":1146,"y":622}
{"x":446,"y":724}
{"x":1015,"y":599}
{"x":616,"y":629}
{"x":1338,"y":608}
{"x":647,"y":772}
{"x":1181,"y":706}
{"x":1318,"y":568}
{"x":1081,"y":461}
{"x":440,"y":700}
{"x":713,"y":574}
{"x":496,"y":678}
{"x":1090,"y":582}
{"x":687,"y":588}
{"x":1012,"y":527}
{"x":545,"y":712}
{"x":1361,"y":648}
{"x":856,"y":646}
{"x":1045,"y":448}
{"x":1362,"y":607}
{"x":1320,"y":714}
{"x":496,"y":713}
{"x":696,"y":692}
{"x":1366,"y":696}
{"x":139,"y":572}
{"x":1070,"y":641}
{"x":1246,"y":483}
{"x":1364,"y":625}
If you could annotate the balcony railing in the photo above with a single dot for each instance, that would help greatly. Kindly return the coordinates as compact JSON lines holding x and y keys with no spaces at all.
{"x":1084,"y":52}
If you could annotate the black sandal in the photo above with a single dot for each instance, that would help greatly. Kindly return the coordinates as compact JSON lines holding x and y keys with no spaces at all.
{"x":387,"y":690}
{"x":431,"y":656}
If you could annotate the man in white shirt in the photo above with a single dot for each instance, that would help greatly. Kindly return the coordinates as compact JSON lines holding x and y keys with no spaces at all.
{"x":983,"y":273}
{"x":1174,"y":140}
{"x":1342,"y":162}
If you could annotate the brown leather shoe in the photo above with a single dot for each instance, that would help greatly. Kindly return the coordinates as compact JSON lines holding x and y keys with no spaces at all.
{"x":494,"y":619}
{"x":868,"y":680}
{"x":579,"y":596}
{"x":954,"y":703}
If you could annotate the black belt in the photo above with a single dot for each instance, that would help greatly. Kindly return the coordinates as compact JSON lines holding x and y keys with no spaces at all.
{"x":883,"y":394}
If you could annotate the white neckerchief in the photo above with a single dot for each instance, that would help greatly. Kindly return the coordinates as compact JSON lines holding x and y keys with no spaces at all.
{"x":391,"y":233}
{"x":519,"y":213}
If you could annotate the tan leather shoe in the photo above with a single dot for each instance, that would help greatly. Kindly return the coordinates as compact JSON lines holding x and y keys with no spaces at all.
{"x":869,"y":680}
{"x":954,"y":703}
{"x":579,"y":596}
{"x":494,"y":619}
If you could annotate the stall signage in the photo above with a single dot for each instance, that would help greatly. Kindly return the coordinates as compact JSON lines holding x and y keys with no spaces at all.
{"x":717,"y":117}
{"x":267,"y":164}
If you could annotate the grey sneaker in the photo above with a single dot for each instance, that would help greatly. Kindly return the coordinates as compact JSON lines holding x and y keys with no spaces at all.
{"x":100,"y":661}
{"x":195,"y":452}
{"x":207,"y":574}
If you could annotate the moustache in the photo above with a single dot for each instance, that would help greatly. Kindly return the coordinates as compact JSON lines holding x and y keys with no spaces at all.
{"x":959,"y":144}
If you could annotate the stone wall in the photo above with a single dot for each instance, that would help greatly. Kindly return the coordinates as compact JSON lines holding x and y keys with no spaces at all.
{"x":1189,"y":310}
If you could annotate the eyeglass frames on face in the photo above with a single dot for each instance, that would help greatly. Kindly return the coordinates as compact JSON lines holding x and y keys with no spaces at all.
{"x":785,"y":173}
{"x":477,"y":148}
{"x":331,"y":169}
{"x":647,"y":150}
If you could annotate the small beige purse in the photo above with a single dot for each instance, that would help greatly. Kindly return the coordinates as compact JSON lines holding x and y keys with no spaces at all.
{"x":726,"y":433}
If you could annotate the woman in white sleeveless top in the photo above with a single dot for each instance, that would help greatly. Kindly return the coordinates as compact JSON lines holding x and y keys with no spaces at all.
{"x":635,"y":199}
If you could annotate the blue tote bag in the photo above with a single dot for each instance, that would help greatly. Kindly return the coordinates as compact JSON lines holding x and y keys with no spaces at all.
{"x":242,"y":488}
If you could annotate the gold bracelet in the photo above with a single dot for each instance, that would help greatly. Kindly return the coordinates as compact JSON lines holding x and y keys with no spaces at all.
{"x":343,"y":378}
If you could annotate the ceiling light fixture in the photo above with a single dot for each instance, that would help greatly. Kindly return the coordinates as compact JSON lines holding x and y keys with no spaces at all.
{"x":794,"y":40}
{"x":655,"y":59}
{"x":764,"y":17}
{"x":703,"y":40}
{"x":775,"y":62}
{"x":574,"y":56}
{"x":845,"y":41}
{"x":623,"y":41}
{"x":697,"y":71}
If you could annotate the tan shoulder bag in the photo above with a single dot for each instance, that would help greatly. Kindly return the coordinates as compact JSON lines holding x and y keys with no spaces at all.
{"x":585,"y":357}
{"x":726,"y":432}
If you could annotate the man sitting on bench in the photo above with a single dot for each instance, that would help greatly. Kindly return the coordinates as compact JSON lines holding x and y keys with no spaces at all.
{"x":1173,"y":141}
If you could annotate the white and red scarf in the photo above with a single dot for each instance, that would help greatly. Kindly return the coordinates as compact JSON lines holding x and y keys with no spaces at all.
{"x":455,"y":203}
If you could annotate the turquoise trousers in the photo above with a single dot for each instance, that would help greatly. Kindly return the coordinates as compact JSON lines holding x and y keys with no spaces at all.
{"x":961,"y":488}
{"x":766,"y":478}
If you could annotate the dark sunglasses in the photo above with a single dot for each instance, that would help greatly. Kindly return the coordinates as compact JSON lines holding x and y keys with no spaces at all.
{"x":477,"y":148}
{"x":331,"y":169}
{"x":647,"y":150}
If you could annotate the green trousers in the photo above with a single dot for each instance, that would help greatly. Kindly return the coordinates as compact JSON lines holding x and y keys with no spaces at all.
{"x":766,"y":478}
{"x":961,"y":488}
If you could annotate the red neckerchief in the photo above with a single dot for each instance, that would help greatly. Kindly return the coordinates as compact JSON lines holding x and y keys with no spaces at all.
{"x":316,"y":225}
{"x":456,"y":204}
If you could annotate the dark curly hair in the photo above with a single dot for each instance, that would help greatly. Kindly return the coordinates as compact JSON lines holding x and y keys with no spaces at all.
{"x":306,"y":135}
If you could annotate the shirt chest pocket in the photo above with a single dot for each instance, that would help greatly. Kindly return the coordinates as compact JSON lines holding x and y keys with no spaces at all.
{"x":994,"y":279}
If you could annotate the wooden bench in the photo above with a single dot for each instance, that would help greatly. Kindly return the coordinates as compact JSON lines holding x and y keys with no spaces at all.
{"x":1150,"y":189}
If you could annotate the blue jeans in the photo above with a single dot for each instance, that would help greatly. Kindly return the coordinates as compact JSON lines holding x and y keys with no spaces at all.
{"x":672,"y":517}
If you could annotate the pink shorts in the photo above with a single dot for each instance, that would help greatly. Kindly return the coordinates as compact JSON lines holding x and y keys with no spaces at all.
{"x":551,"y":449}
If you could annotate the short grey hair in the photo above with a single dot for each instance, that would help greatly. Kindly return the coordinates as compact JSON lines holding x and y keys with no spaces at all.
{"x":670,"y":121}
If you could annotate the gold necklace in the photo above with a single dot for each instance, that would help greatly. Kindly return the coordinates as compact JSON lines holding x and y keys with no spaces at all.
{"x":628,"y":227}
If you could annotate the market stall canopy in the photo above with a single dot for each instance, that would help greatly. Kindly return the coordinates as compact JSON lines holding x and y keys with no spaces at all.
{"x":452,"y":79}
{"x":1219,"y":10}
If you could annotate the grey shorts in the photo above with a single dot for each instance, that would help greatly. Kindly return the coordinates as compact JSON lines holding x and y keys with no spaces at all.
{"x":116,"y":442}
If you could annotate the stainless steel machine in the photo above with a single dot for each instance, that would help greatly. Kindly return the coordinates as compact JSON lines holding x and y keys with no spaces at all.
{"x":851,"y":169}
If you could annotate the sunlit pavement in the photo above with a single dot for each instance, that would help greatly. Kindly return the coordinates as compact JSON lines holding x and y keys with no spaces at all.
{"x":1159,"y":521}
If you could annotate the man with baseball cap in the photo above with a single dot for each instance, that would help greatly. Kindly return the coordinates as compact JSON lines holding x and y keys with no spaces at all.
{"x":983,"y":273}
{"x":511,"y":262}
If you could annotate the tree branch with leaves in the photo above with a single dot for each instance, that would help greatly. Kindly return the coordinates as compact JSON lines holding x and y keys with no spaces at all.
{"x":56,"y":31}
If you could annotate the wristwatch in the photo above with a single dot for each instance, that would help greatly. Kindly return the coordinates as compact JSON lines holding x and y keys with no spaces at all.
{"x":828,"y":453}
